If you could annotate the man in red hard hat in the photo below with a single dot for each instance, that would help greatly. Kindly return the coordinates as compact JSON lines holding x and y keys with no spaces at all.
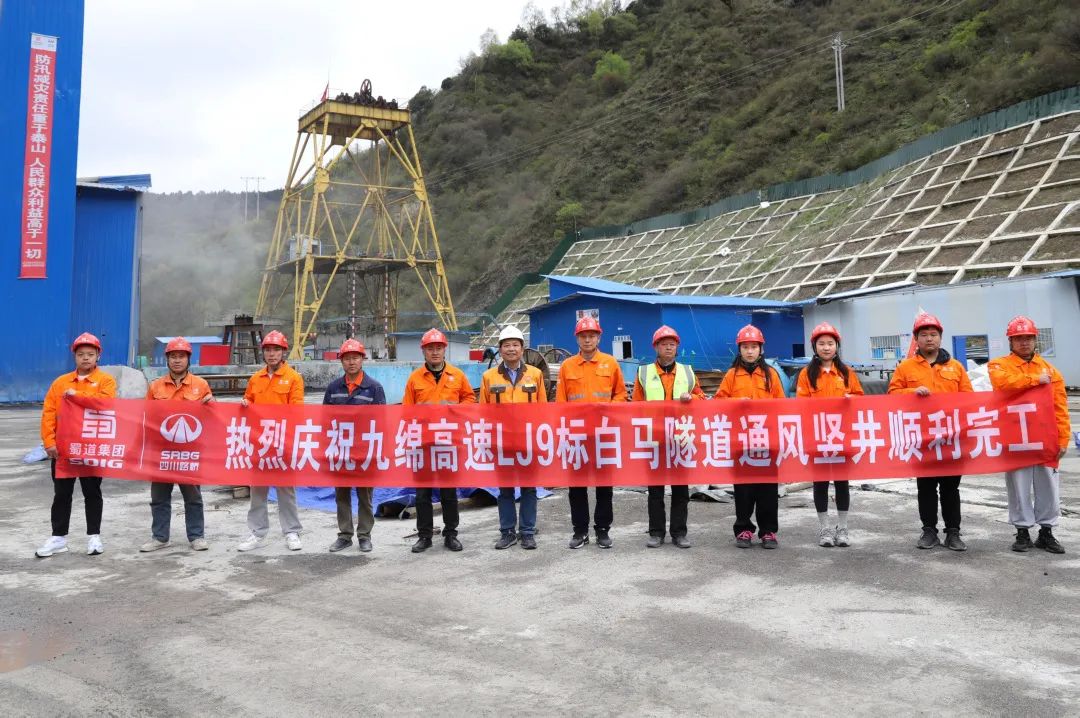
{"x":590,"y":376}
{"x":277,"y":383}
{"x":178,"y":385}
{"x":667,"y":380}
{"x":437,"y":382}
{"x":86,"y":380}
{"x":932,"y":371}
{"x":1024,"y":367}
{"x":355,"y":388}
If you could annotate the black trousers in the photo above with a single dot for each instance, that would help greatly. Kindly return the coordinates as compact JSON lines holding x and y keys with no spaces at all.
{"x":821,"y":496}
{"x":680,"y":498}
{"x":579,"y":508}
{"x":63,"y":491}
{"x":949,"y":489}
{"x":425,"y":523}
{"x":765,"y":500}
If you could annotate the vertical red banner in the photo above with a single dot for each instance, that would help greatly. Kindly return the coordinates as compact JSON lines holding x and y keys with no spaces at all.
{"x":36,"y":173}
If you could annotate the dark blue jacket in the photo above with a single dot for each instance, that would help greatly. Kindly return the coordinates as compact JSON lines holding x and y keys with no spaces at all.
{"x":368,"y":393}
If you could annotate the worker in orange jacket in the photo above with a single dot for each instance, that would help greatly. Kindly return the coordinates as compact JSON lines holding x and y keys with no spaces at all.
{"x":751,"y":378}
{"x":1024,"y":367}
{"x":437,"y":383}
{"x":667,"y":380}
{"x":512,"y":381}
{"x":590,"y":376}
{"x":277,"y":383}
{"x":86,"y":380}
{"x":932,"y":371}
{"x":827,"y":376}
{"x":178,"y":385}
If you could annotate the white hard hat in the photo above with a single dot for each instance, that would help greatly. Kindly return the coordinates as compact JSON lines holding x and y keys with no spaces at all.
{"x":511,"y":332}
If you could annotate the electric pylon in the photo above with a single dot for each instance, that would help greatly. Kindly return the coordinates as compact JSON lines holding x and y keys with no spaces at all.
{"x":356,"y":209}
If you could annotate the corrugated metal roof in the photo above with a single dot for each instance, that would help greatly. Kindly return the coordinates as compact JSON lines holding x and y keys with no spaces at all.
{"x":192,"y":340}
{"x":120,"y":183}
{"x":672,"y":300}
{"x":599,"y":285}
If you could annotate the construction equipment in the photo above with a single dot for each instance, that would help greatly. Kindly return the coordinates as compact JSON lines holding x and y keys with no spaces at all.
{"x":355,"y":201}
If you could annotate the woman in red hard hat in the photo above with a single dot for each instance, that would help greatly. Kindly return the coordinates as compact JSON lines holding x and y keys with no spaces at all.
{"x":751,"y":378}
{"x":86,"y":380}
{"x":828,"y":377}
{"x":1024,"y":367}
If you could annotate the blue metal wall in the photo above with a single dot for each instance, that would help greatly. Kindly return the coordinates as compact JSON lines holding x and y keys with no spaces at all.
{"x":105,"y":283}
{"x":555,"y":324}
{"x":38,"y":310}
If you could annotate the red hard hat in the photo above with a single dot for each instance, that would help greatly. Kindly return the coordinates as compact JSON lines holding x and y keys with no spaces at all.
{"x":587,"y":324}
{"x":351,"y":345}
{"x":87,"y":339}
{"x":179,"y":344}
{"x":924,"y":321}
{"x":665,"y":332}
{"x":275,"y":339}
{"x":749,"y":333}
{"x":433,"y":336}
{"x":1021,"y":327}
{"x":824,"y":330}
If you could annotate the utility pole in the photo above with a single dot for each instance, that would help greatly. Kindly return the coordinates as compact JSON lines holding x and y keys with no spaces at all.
{"x":246,"y":180}
{"x":838,"y":46}
{"x":257,"y":180}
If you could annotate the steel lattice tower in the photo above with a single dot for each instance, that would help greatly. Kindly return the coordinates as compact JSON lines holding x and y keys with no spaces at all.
{"x":354,"y":210}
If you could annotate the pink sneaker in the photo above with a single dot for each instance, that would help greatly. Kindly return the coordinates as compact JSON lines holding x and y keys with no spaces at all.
{"x":744,"y":539}
{"x":769,"y":541}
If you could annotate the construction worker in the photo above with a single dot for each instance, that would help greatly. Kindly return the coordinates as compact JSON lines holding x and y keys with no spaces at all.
{"x":355,"y":388}
{"x":1024,"y":367}
{"x":277,"y":383}
{"x":178,"y":385}
{"x":932,"y":371}
{"x":667,"y":380}
{"x":590,"y":376}
{"x":437,"y":383}
{"x":513,"y":381}
{"x":86,"y":380}
{"x":827,"y":377}
{"x":751,"y":378}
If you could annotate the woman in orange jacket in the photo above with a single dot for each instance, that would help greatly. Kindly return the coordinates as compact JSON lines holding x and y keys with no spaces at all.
{"x":828,"y":377}
{"x":751,"y":378}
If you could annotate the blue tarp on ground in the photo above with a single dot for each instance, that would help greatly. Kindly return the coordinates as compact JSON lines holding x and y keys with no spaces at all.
{"x":395,"y":500}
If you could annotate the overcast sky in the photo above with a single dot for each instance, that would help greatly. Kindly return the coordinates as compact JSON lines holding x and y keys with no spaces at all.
{"x":200,"y":93}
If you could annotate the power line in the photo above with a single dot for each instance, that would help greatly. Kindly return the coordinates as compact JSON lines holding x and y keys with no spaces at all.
{"x":664,"y":101}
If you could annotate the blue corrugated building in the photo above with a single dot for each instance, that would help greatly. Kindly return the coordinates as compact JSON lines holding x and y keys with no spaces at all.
{"x":158,"y":358}
{"x":629,"y":315}
{"x":92,"y":269}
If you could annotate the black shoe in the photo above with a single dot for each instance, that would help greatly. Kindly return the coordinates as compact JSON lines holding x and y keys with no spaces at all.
{"x":953,"y":542}
{"x":363,"y":544}
{"x":654,"y":541}
{"x":422,"y":544}
{"x":603,"y":540}
{"x":929,"y":538}
{"x":1023,"y":540}
{"x":508,"y":539}
{"x":1047,"y":541}
{"x":680,"y":541}
{"x":451,"y":542}
{"x":341,"y":543}
{"x":528,"y":542}
{"x":579,"y":540}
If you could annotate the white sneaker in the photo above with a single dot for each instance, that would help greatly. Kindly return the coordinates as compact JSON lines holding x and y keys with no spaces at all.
{"x":154,"y":545}
{"x":842,"y":538}
{"x":94,"y":545}
{"x":825,"y":537}
{"x":251,"y":542}
{"x":199,"y":544}
{"x":292,"y":541}
{"x":55,"y":545}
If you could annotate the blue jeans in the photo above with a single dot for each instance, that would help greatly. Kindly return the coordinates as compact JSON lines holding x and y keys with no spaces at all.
{"x":161,"y":508}
{"x":508,"y":512}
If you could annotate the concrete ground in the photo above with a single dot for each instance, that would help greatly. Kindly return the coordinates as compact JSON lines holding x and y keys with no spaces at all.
{"x":880,"y":627}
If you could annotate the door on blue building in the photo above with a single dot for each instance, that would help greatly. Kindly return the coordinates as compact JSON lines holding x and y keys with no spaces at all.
{"x":622,"y":347}
{"x":975,"y":347}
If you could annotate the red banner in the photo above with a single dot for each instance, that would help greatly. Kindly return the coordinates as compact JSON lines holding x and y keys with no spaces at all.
{"x":702,"y":442}
{"x":36,"y":170}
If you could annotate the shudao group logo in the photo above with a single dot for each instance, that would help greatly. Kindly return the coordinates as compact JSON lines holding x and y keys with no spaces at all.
{"x":181,"y":428}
